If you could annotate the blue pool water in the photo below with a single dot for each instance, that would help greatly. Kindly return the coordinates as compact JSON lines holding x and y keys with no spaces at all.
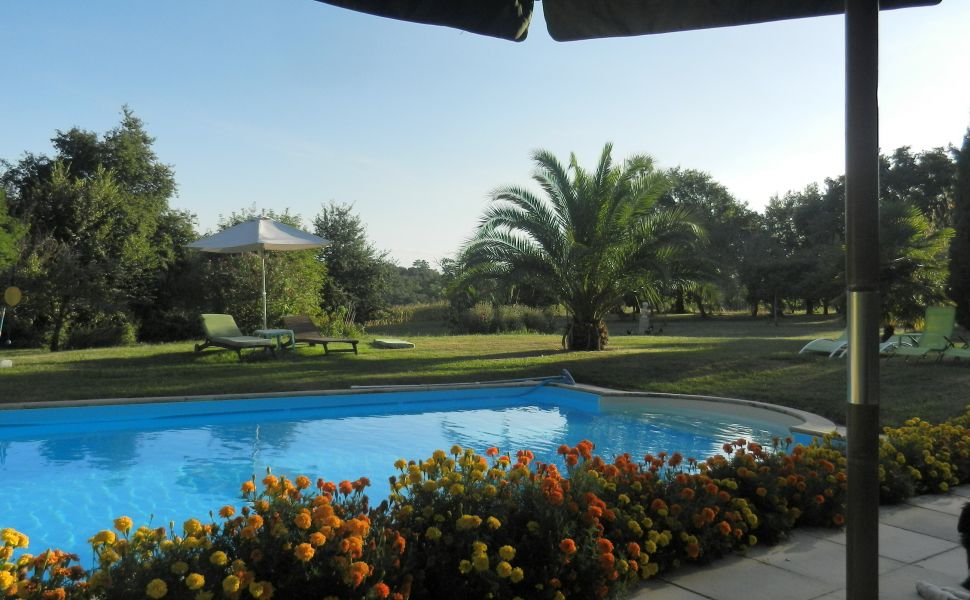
{"x":67,"y":472}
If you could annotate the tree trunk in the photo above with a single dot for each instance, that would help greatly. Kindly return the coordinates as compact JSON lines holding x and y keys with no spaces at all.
{"x":825,"y":307}
{"x":587,"y":335}
{"x":754,"y":308}
{"x":679,"y":308}
{"x":700,"y":305}
{"x":774,"y":309}
{"x":59,"y":325}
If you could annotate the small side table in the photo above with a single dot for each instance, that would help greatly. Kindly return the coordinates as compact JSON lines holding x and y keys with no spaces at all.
{"x":278,"y":335}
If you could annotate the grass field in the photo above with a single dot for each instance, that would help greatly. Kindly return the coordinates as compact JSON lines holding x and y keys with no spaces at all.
{"x":724,"y":356}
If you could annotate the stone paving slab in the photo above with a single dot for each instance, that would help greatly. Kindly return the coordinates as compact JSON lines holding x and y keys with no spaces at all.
{"x":952,"y":562}
{"x":813,"y":557}
{"x":950,"y":504}
{"x":929,"y":522}
{"x":909,"y":546}
{"x":739,"y":578}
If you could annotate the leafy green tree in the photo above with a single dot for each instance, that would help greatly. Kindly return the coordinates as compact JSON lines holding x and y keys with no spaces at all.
{"x":593,"y":238}
{"x":959,"y":285}
{"x":94,"y":211}
{"x":416,"y":284}
{"x":11,"y":231}
{"x":924,"y":180}
{"x":913,"y":261}
{"x":358,"y":273}
{"x":715,"y":259}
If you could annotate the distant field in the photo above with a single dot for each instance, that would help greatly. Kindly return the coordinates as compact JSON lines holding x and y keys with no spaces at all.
{"x":727,"y":356}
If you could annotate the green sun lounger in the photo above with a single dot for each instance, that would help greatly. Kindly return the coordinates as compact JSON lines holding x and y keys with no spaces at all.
{"x":831,"y":347}
{"x":938,"y":330}
{"x":307,"y":332}
{"x":221,"y":331}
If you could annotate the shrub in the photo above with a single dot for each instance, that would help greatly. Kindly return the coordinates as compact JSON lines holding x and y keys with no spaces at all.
{"x":106,"y":330}
{"x":485,"y":317}
{"x":410,"y":313}
{"x":339,"y":324}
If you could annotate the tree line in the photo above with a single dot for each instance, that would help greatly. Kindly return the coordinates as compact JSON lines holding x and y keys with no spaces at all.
{"x":91,"y":238}
{"x":89,"y":234}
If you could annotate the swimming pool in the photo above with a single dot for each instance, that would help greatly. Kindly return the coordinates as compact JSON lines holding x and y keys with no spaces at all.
{"x":67,"y":472}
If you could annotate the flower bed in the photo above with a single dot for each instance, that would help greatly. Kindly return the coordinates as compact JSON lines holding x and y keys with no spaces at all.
{"x":494,"y":526}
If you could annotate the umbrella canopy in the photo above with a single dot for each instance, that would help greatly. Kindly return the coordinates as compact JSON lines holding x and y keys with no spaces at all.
{"x":259,"y":235}
{"x":570,"y":20}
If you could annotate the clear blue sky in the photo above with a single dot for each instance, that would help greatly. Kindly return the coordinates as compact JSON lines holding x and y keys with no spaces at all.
{"x":294,"y":103}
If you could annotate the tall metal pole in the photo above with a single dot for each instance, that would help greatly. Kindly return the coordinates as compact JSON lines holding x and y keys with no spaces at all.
{"x":262,"y":258}
{"x":862,"y":294}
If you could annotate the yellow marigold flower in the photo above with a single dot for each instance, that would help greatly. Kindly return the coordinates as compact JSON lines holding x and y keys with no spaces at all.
{"x":303,"y":520}
{"x":558,"y":596}
{"x":6,"y":580}
{"x":204,"y":596}
{"x":9,"y":536}
{"x":480,"y":562}
{"x":429,"y":485}
{"x":105,"y":536}
{"x":156,"y":589}
{"x":304,"y":552}
{"x":456,"y":489}
{"x":191,"y":543}
{"x":456,"y":449}
{"x":180,"y":568}
{"x":507,"y":552}
{"x":166,"y":545}
{"x":465,"y":566}
{"x":123,"y":524}
{"x":192,"y":527}
{"x":503,"y":569}
{"x":230,"y":584}
{"x":400,"y":463}
{"x":238,"y":565}
{"x":493,"y":523}
{"x":468,"y":522}
{"x":108,"y":556}
{"x":517,"y":575}
{"x":218,"y":558}
{"x":256,"y":589}
{"x":532,"y":526}
{"x":479,"y":548}
{"x":490,"y":490}
{"x":432,"y":533}
{"x":194,"y":581}
{"x":439,"y":455}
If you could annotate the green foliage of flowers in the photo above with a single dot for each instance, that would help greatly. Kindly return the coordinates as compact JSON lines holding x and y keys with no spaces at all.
{"x":498,"y":525}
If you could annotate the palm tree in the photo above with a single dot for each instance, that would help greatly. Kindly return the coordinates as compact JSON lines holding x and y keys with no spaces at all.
{"x":593,"y":238}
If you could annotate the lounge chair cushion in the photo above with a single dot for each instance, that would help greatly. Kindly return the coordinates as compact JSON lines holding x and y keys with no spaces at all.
{"x":221,"y":330}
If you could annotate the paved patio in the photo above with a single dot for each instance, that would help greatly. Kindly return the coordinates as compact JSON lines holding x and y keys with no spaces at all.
{"x":918,"y":540}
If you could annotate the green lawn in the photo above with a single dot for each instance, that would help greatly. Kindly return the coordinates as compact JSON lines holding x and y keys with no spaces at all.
{"x":725,"y":356}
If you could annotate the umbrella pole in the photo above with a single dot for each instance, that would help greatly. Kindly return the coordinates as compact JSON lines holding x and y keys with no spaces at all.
{"x":262,"y":258}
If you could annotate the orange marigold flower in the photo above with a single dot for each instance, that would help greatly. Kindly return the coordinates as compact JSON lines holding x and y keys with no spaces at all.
{"x":633,"y":549}
{"x":361,"y":483}
{"x":687,"y":493}
{"x":345,"y":487}
{"x":248,"y":487}
{"x":303,"y":482}
{"x":693,"y":550}
{"x":604,"y":545}
{"x":493,"y":451}
{"x":303,"y":520}
{"x":255,"y":521}
{"x":317,"y":539}
{"x":271,"y":481}
{"x":761,"y":492}
{"x":820,"y":499}
{"x":381,"y":590}
{"x":55,"y":594}
{"x":227,"y":511}
{"x":838,"y":519}
{"x":304,"y":552}
{"x":724,"y":527}
{"x":568,"y":546}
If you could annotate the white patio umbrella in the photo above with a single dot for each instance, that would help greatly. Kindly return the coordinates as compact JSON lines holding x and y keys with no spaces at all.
{"x":259,"y":235}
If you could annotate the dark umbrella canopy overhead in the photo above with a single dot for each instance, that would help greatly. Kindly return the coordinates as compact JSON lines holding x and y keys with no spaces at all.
{"x":570,"y":20}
